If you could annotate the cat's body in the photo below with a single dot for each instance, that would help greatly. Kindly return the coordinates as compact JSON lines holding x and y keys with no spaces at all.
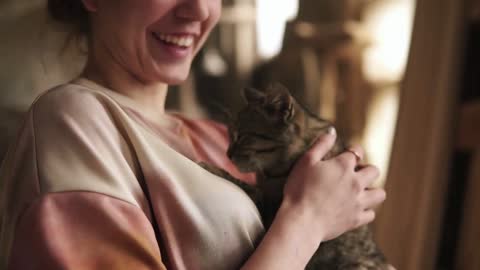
{"x":267,"y":137}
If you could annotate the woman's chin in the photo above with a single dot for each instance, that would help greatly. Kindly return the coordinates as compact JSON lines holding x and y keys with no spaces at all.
{"x":171,"y":77}
{"x":176,"y":81}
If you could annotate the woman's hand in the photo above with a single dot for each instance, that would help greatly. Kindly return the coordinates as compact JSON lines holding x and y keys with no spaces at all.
{"x":334,"y":192}
{"x":322,"y":200}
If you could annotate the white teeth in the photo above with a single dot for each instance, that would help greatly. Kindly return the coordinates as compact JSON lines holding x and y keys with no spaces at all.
{"x":179,"y":41}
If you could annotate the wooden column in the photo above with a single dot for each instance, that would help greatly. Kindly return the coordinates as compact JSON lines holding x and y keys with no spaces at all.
{"x":468,"y":252}
{"x":409,"y":224}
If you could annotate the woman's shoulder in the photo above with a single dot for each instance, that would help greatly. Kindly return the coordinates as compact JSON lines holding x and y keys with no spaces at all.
{"x":69,"y":98}
{"x":79,"y":144}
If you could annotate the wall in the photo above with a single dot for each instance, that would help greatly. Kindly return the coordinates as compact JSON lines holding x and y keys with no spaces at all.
{"x":33,"y":60}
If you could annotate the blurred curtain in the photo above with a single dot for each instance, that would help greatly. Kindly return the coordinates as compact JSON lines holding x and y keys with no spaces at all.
{"x":409,"y":225}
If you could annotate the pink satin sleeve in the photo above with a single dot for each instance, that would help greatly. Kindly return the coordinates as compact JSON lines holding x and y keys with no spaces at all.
{"x":84,"y":230}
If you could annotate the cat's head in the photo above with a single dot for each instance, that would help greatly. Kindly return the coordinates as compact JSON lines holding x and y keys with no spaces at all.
{"x":264,"y":133}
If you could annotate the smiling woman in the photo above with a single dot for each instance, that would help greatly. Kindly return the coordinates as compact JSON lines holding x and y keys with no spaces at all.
{"x":147,"y":45}
{"x":101,"y":177}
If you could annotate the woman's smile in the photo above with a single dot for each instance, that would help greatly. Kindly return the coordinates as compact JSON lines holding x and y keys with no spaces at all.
{"x":178,"y":45}
{"x":153,"y":41}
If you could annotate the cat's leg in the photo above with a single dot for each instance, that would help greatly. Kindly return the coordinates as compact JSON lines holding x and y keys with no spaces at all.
{"x":348,"y":266}
{"x":354,"y":250}
{"x":370,"y":267}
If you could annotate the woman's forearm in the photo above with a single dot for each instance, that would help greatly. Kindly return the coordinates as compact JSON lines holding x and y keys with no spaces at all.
{"x":289,"y":243}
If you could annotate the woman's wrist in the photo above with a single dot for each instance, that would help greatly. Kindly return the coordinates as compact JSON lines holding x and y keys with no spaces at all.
{"x":304,"y":219}
{"x":290,"y":242}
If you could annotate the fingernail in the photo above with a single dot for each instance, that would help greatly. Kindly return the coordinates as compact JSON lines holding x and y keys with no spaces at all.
{"x":331,"y":130}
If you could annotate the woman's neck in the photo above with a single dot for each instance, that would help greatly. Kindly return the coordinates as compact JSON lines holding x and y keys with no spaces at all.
{"x":107,"y":72}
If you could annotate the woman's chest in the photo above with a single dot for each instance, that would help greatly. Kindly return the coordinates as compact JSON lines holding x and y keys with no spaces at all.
{"x":205,"y":221}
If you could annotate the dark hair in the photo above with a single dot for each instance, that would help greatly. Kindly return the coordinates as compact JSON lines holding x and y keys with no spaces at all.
{"x":71,"y":13}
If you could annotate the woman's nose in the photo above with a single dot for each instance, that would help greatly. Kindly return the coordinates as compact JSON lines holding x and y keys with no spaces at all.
{"x":195,"y":10}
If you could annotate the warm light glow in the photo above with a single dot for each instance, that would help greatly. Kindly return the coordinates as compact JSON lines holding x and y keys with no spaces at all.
{"x":390,"y":24}
{"x":380,"y":128}
{"x":271,"y":18}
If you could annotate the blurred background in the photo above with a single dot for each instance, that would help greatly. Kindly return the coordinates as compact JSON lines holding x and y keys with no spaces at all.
{"x":400,"y":77}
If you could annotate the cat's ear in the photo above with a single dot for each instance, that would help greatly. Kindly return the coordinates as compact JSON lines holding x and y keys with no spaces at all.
{"x":281,"y":101}
{"x":284,"y":106}
{"x":290,"y":112}
{"x":254,"y":96}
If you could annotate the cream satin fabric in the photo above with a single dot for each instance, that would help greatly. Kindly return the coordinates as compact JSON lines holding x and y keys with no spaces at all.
{"x":81,"y":137}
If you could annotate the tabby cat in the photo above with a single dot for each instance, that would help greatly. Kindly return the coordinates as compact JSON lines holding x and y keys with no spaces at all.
{"x":268,"y":135}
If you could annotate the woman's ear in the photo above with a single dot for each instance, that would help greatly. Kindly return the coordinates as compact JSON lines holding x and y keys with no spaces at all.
{"x":90,"y":5}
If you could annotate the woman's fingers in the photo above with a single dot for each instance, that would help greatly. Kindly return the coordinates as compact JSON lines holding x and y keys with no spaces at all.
{"x":390,"y":267}
{"x":365,"y":218}
{"x":357,"y":151}
{"x":321,"y":147}
{"x":372,"y":198}
{"x":367,"y":175}
{"x":351,"y":157}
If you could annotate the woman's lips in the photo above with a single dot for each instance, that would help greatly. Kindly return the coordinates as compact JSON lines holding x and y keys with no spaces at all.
{"x":175,"y":46}
{"x":178,"y":40}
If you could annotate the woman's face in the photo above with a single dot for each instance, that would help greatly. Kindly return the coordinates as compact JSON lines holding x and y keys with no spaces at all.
{"x":153,"y":40}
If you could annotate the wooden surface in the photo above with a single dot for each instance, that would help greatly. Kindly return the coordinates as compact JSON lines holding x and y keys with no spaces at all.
{"x":409,"y":224}
{"x":468,"y":253}
{"x":469,"y":127}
